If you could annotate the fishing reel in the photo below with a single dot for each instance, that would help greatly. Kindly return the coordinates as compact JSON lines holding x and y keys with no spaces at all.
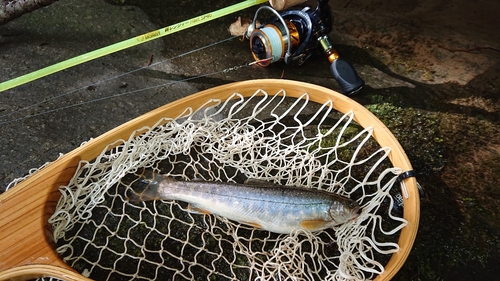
{"x":292,"y":35}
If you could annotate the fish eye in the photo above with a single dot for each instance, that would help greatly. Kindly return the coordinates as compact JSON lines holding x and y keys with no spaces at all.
{"x":352,"y":204}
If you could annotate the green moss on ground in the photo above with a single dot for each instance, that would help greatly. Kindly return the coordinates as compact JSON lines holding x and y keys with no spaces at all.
{"x":418,"y":132}
{"x":459,"y":168}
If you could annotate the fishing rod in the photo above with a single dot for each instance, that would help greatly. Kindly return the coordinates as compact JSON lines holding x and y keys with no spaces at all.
{"x":4,"y":120}
{"x":298,"y":32}
{"x":155,"y":34}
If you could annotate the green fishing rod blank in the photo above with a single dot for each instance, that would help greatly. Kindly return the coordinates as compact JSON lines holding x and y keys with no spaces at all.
{"x":127,"y":44}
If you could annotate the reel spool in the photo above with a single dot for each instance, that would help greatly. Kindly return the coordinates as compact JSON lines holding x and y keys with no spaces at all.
{"x":276,"y":39}
{"x":292,"y":35}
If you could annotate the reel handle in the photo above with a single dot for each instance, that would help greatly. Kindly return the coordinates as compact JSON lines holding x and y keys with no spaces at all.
{"x":346,"y":76}
{"x":343,"y":72}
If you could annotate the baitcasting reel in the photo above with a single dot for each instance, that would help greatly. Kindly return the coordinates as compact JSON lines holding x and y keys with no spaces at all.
{"x":292,"y":35}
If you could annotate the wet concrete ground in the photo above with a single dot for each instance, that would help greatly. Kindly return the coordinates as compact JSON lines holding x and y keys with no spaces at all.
{"x":431,"y":73}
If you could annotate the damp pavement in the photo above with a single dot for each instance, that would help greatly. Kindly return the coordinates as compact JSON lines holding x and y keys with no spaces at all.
{"x":55,"y":114}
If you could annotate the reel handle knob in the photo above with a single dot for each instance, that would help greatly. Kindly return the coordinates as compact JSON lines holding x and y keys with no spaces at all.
{"x":346,"y":76}
{"x":343,"y":72}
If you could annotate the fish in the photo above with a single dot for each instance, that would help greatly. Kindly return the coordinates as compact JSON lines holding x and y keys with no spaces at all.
{"x":260,"y":204}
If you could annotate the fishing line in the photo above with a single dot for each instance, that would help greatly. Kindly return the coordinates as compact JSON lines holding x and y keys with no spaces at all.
{"x":108,"y":79}
{"x":127,"y":44}
{"x":224,"y":71}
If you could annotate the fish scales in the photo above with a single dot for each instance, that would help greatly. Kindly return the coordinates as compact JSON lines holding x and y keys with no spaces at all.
{"x":276,"y":208}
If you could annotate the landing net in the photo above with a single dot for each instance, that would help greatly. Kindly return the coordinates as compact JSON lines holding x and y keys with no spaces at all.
{"x":267,"y":137}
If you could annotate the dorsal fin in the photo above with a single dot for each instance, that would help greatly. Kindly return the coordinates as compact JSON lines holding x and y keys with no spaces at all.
{"x":252,"y":181}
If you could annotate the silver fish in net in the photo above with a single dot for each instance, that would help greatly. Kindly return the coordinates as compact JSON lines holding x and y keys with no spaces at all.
{"x":263,"y":205}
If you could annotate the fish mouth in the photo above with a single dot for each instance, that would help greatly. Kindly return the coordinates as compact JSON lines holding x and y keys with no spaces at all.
{"x":357,"y":212}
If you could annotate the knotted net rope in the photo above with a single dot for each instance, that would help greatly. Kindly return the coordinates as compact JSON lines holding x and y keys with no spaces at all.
{"x":268,"y":137}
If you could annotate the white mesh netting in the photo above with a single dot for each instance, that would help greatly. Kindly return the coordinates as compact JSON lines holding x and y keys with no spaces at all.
{"x":268,"y":137}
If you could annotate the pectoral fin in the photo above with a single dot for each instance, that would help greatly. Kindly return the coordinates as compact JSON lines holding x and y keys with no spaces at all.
{"x":253,"y":224}
{"x":314,"y":225}
{"x":196,"y":210}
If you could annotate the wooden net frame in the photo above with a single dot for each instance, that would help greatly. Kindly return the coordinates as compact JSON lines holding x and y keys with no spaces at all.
{"x":27,"y":252}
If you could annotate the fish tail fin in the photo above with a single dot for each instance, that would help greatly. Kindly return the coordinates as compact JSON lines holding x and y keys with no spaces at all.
{"x":146,"y":195}
{"x":146,"y":187}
